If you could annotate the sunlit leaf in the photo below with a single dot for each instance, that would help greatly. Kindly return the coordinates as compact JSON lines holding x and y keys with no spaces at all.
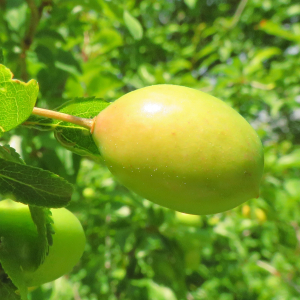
{"x":133,"y":25}
{"x":17,"y":99}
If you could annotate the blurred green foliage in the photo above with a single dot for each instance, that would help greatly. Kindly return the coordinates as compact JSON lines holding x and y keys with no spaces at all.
{"x":244,"y":52}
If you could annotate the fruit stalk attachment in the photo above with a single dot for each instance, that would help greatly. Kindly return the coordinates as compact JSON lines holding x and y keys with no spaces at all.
{"x":86,"y":123}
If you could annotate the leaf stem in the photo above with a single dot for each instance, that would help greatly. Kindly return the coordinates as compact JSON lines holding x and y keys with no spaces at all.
{"x":86,"y":123}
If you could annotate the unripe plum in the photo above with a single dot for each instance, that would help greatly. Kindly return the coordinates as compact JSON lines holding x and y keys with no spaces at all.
{"x":180,"y":148}
{"x":20,"y":233}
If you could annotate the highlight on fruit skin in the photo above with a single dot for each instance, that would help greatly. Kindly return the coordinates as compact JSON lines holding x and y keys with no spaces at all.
{"x":180,"y":148}
{"x":17,"y":227}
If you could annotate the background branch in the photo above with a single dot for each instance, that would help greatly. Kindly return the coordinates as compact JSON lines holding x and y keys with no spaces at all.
{"x":2,"y":3}
{"x":238,"y":12}
{"x":36,"y":14}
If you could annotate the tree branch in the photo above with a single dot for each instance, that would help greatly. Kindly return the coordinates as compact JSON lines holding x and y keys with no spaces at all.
{"x":2,"y":3}
{"x":238,"y":13}
{"x":36,"y":14}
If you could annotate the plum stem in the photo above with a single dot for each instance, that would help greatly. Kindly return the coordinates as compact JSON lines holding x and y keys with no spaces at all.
{"x":86,"y":123}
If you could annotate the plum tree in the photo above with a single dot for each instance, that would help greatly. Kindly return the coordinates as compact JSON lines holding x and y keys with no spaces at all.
{"x":17,"y":227}
{"x":180,"y":148}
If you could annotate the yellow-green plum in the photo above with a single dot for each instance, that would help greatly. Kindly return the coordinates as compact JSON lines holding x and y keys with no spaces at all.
{"x":20,"y":234}
{"x":180,"y":148}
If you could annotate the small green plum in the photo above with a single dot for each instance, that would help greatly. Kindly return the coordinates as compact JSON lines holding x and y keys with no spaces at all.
{"x":180,"y":148}
{"x":20,"y":233}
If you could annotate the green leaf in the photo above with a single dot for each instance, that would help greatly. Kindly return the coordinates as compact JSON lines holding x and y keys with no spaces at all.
{"x":68,"y":68}
{"x":190,"y":3}
{"x":43,"y":221}
{"x":292,"y":187}
{"x":11,"y":267}
{"x":33,"y":186}
{"x":16,"y":14}
{"x":101,"y":83}
{"x":44,"y":55}
{"x":9,"y":153}
{"x":205,"y":50}
{"x":111,"y":10}
{"x":260,"y":56}
{"x":160,"y":292}
{"x":178,"y":65}
{"x":293,"y":10}
{"x":40,"y":123}
{"x":48,"y":33}
{"x":66,"y":62}
{"x":146,"y":73}
{"x":157,"y":292}
{"x":275,"y":29}
{"x":133,"y":25}
{"x":74,"y":137}
{"x":106,"y":40}
{"x":7,"y":289}
{"x":17,"y":100}
{"x":291,"y":160}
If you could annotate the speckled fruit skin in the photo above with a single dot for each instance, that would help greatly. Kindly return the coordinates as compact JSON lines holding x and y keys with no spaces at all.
{"x":17,"y":227}
{"x":180,"y":148}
